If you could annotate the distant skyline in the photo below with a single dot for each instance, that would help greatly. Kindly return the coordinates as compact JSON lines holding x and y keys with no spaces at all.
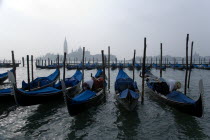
{"x":40,"y":27}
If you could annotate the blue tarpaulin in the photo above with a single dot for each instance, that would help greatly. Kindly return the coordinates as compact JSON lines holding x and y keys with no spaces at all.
{"x":125,"y":93}
{"x":123,"y":82}
{"x":179,"y":97}
{"x":99,"y":72}
{"x":5,"y":91}
{"x":84,"y":96}
{"x":42,"y":81}
{"x":72,"y":81}
{"x":47,"y":90}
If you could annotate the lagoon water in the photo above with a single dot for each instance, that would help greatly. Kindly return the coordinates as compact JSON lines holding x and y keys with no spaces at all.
{"x":151,"y":120}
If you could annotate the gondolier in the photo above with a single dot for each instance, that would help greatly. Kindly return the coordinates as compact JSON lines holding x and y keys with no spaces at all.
{"x":165,"y":86}
{"x":173,"y":85}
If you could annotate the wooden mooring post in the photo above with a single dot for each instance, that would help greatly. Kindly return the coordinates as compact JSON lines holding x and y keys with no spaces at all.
{"x":161,"y":59}
{"x":143,"y":70}
{"x":28,"y":72}
{"x":83,"y":65}
{"x":14,"y":66}
{"x":109,"y":67}
{"x":186,"y":74}
{"x":188,"y":85}
{"x":23,"y":62}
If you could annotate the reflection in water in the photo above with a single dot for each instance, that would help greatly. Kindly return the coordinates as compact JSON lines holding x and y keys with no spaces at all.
{"x":6,"y":108}
{"x":79,"y":124}
{"x":41,"y":116}
{"x":83,"y":120}
{"x":127,"y":123}
{"x":188,"y":126}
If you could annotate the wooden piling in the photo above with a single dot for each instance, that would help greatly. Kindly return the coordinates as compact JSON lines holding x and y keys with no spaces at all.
{"x":14,"y":66}
{"x":161,"y":55}
{"x":108,"y":67}
{"x":103,"y":65}
{"x":143,"y":70}
{"x":134,"y":57}
{"x":124,"y":63}
{"x":188,"y":85}
{"x":23,"y":61}
{"x":32,"y":68}
{"x":64,"y":67}
{"x":83,"y":59}
{"x":58,"y":66}
{"x":186,"y":74}
{"x":29,"y":87}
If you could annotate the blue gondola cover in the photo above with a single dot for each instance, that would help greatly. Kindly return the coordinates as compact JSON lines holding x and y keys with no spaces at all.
{"x":72,"y":81}
{"x":99,"y":72}
{"x":41,"y":80}
{"x":179,"y":97}
{"x":84,"y":96}
{"x":5,"y":91}
{"x":47,"y":90}
{"x":125,"y":93}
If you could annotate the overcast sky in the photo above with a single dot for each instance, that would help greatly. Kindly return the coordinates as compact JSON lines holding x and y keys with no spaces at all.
{"x":40,"y":26}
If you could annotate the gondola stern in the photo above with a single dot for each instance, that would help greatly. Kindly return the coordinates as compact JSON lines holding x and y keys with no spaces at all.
{"x":199,"y":102}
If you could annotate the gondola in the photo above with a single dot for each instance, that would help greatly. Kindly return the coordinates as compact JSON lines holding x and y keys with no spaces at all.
{"x":42,"y":82}
{"x":206,"y":67}
{"x":130,"y":66}
{"x":121,"y":66}
{"x":5,"y":95}
{"x":4,"y":76}
{"x":88,"y":66}
{"x":113,"y":66}
{"x":196,"y":66}
{"x":54,"y":66}
{"x":137,"y":66}
{"x":126,"y":91}
{"x":158,"y":67}
{"x":71,"y":67}
{"x":44,"y":95}
{"x":41,"y":67}
{"x":175,"y":99}
{"x":8,"y":65}
{"x":177,"y":66}
{"x":84,"y":99}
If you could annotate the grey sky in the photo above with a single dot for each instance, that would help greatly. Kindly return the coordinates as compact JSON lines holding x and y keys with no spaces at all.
{"x":40,"y":26}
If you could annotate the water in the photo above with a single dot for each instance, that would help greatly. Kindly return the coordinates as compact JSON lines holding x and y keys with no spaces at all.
{"x":152,"y":120}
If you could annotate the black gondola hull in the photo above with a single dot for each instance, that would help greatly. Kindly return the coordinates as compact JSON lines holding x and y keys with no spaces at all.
{"x":74,"y":109}
{"x":23,"y":99}
{"x":2,"y":79}
{"x":190,"y":109}
{"x":128,"y":104}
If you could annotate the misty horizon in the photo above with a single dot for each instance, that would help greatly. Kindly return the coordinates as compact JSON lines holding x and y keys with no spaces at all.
{"x":36,"y":28}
